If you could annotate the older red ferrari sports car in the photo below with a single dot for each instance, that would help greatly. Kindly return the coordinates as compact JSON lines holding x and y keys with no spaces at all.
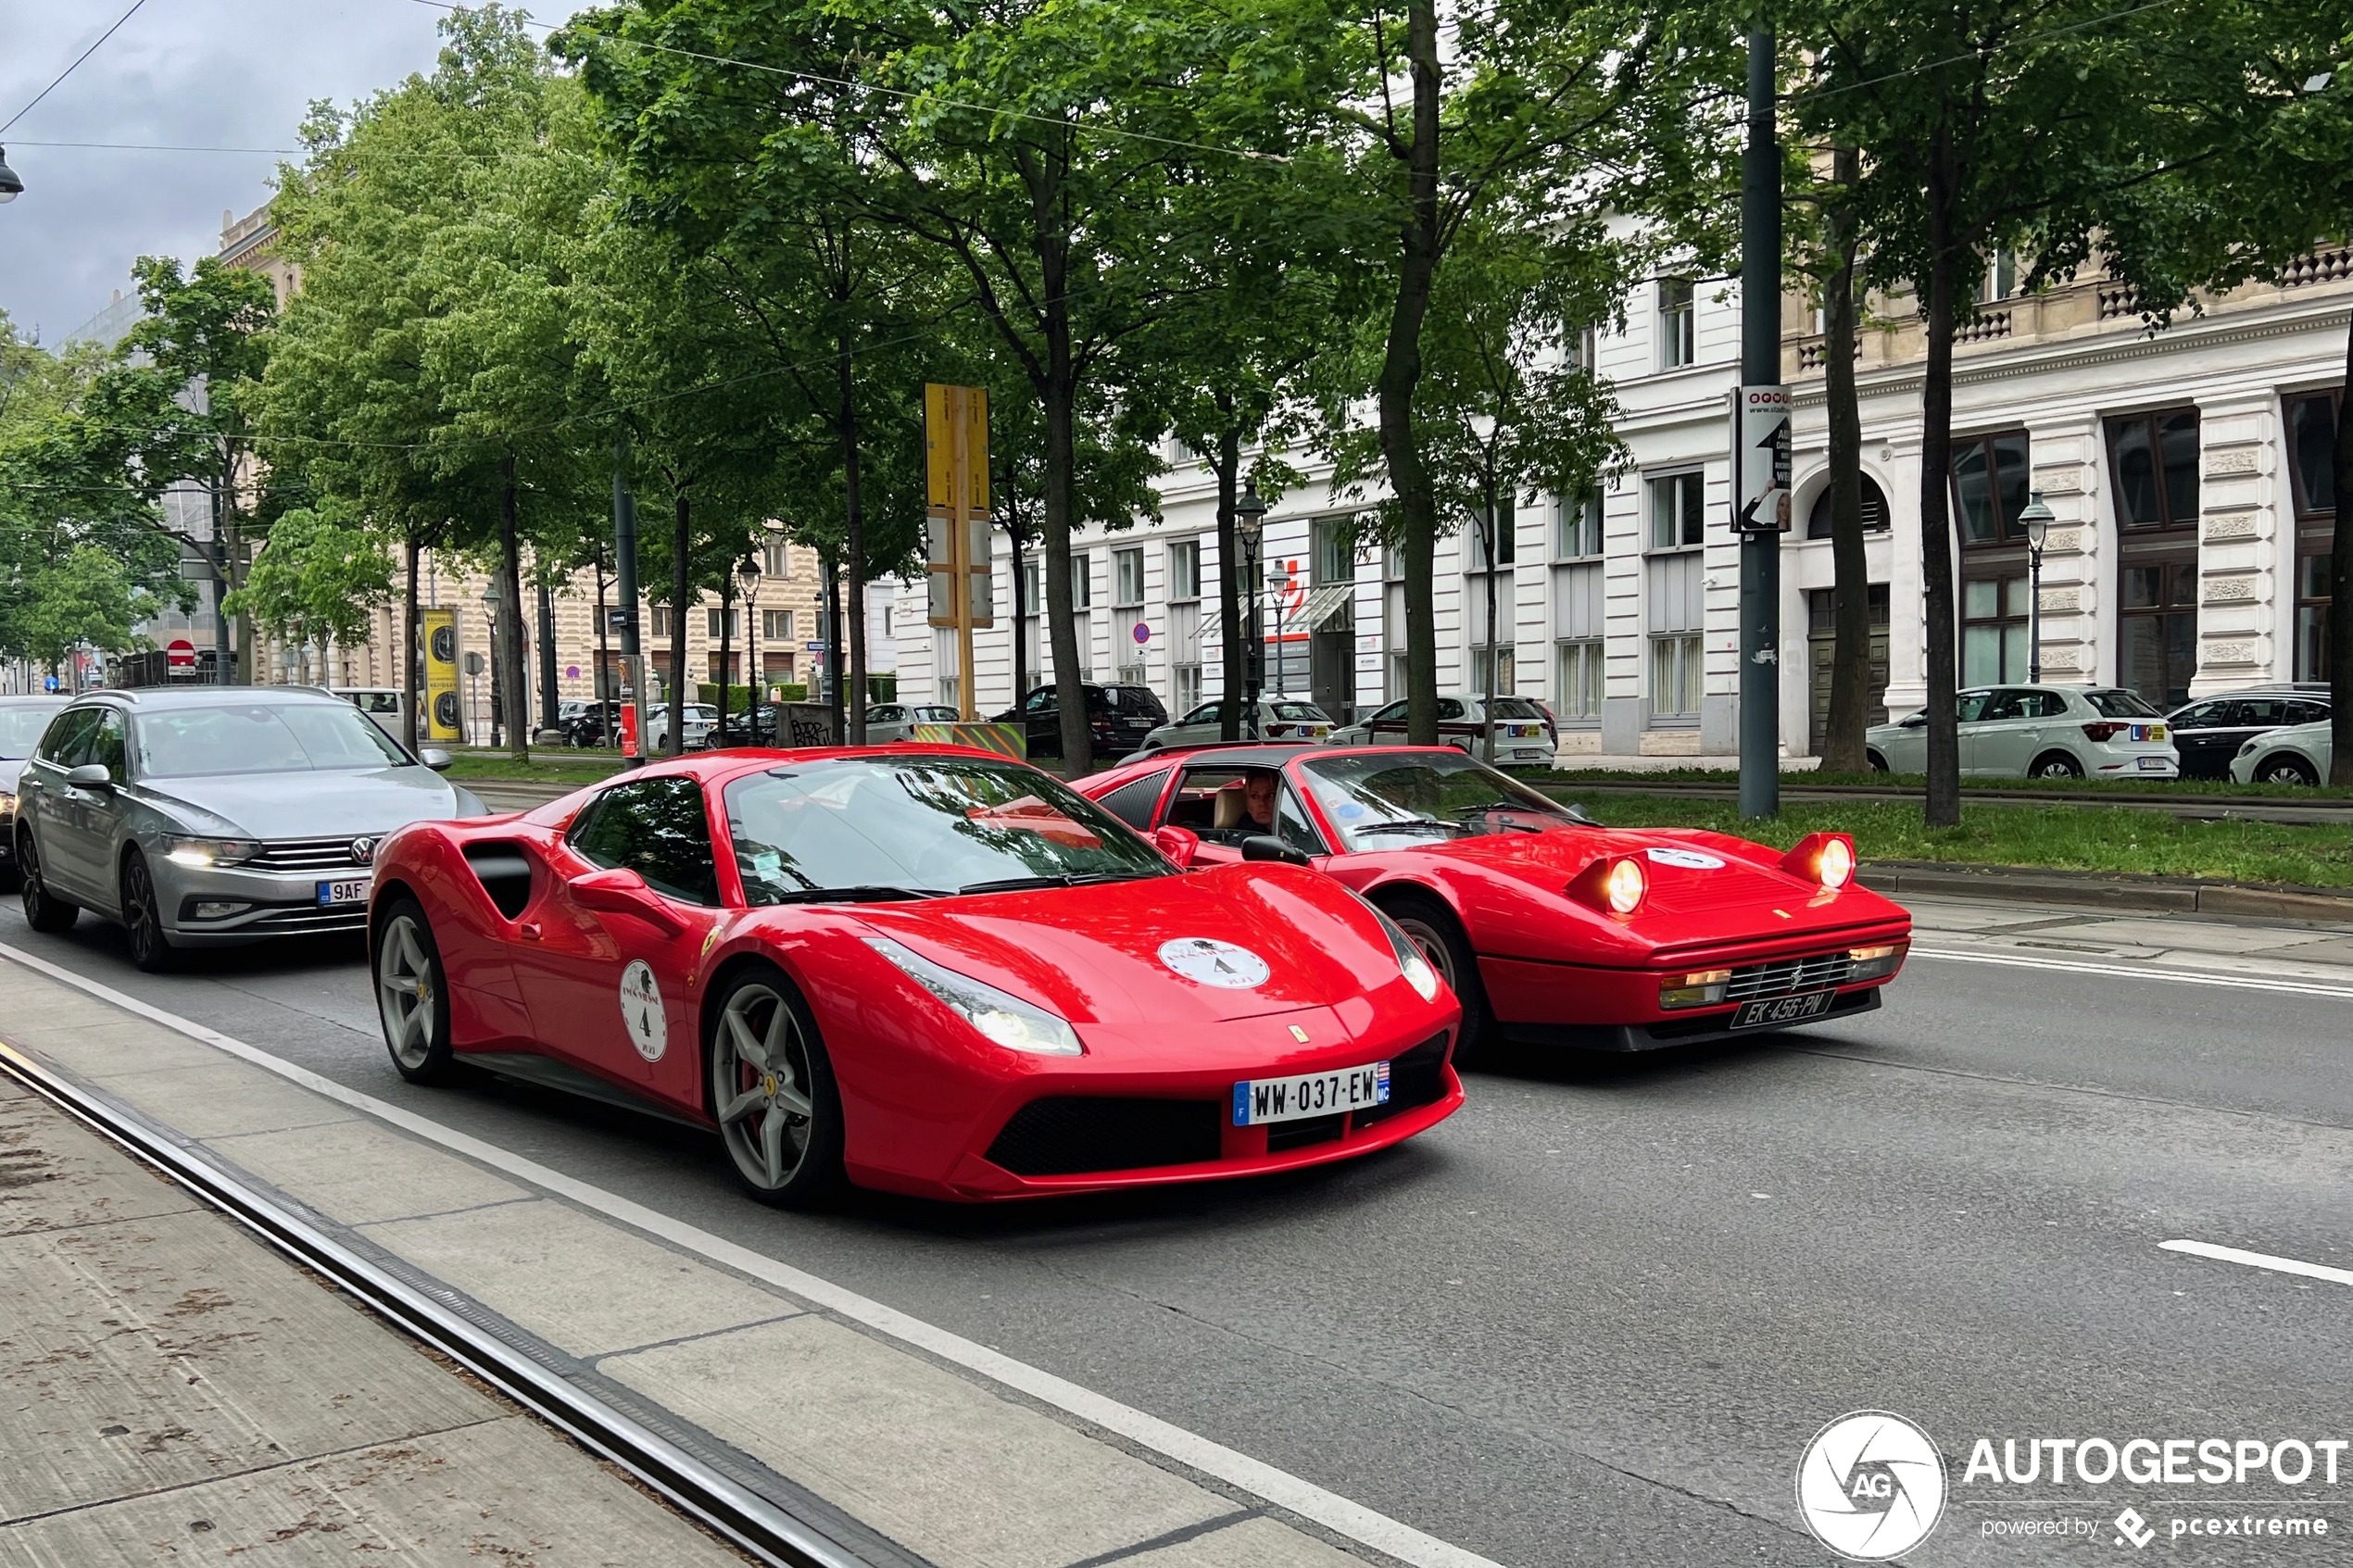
{"x":931,"y":971}
{"x":1552,"y":930}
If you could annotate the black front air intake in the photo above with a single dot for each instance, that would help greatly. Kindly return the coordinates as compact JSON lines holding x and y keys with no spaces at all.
{"x":1070,"y":1134}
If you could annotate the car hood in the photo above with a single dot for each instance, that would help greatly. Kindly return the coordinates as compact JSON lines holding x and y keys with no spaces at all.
{"x":1093,"y":954}
{"x":306,"y":805}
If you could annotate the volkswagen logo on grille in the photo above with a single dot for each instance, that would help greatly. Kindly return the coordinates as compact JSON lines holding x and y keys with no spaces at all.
{"x":363,"y":851}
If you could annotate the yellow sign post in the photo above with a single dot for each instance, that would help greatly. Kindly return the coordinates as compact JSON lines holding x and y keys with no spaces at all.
{"x":956,"y":464}
{"x":443,"y":721}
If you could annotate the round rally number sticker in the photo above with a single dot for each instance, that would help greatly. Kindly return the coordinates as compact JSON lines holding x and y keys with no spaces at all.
{"x":1689,"y":859}
{"x":641,"y":1010}
{"x":1211,"y":962}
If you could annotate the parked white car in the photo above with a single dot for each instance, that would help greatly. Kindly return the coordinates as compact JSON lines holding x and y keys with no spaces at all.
{"x":2298,"y":755}
{"x":2038,"y":733}
{"x":700,"y":718}
{"x":1524,"y":733}
{"x":888,"y":721}
{"x":1279,"y":719}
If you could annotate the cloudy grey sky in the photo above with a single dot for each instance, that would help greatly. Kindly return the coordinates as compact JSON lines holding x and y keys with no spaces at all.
{"x":206,"y":73}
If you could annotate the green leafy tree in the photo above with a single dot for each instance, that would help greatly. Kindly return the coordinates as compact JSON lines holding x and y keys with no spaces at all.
{"x":317,"y":577}
{"x":82,"y":599}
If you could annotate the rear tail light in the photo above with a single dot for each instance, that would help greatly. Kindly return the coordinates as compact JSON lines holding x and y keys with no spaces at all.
{"x":2102,"y":733}
{"x":1701,"y":988}
{"x":1613,"y":885}
{"x":1824,"y":858}
{"x":1875,"y":963}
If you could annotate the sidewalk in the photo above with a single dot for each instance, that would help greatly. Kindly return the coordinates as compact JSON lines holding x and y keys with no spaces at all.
{"x":171,"y":1389}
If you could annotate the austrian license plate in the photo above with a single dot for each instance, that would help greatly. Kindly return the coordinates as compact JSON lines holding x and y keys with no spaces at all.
{"x":1258,"y":1100}
{"x":1772,"y":1011}
{"x":2153,"y":764}
{"x":344,"y":890}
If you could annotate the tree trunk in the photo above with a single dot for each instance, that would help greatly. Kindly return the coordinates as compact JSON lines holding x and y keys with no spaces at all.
{"x":1843,"y":750}
{"x":832,"y":642}
{"x":856,"y":552}
{"x":1229,"y":583}
{"x":517,"y":695}
{"x":1944,"y":808}
{"x":1488,"y":535}
{"x":604,"y":661}
{"x":681,"y":552}
{"x":1023,"y":609}
{"x":1401,"y":372}
{"x":2341,"y":588}
{"x":408,"y":645}
{"x":726,"y":592}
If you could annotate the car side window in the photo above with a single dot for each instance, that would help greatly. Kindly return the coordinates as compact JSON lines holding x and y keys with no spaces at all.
{"x":105,"y":745}
{"x":1292,"y":827}
{"x":1041,"y":700}
{"x":2267,"y":712}
{"x":63,"y":737}
{"x":657,"y":828}
{"x":1970,"y":705}
{"x":1391,"y":714}
{"x":2306,"y":713}
{"x":1449,"y":709}
{"x":2044,"y":705}
{"x":1132,"y":802}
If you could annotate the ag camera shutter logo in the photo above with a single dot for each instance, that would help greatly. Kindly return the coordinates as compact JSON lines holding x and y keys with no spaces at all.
{"x":1871,"y":1485}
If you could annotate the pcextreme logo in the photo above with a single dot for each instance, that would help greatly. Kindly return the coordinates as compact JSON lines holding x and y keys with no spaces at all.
{"x":1871,"y":1485}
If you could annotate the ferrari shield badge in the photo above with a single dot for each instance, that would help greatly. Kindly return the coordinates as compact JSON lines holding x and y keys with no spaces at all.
{"x":641,"y":1010}
{"x":1207,"y":961}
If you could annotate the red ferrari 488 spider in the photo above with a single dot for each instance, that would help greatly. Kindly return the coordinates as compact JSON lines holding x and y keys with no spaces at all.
{"x":1553,"y":931}
{"x":930,"y":970}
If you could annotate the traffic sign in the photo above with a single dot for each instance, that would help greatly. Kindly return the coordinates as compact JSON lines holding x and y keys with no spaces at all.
{"x":1143,"y":633}
{"x":49,"y":683}
{"x":180,"y":653}
{"x":571,"y":671}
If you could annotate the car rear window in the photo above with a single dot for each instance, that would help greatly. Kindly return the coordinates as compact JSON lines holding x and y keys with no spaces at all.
{"x":1307,"y":711}
{"x":1516,"y":708}
{"x":2115,"y":704}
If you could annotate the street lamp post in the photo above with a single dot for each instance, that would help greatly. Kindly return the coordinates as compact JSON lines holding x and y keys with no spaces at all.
{"x":754,"y":683}
{"x":491,"y":599}
{"x":10,"y":186}
{"x":2036,"y":520}
{"x":1249,"y":523}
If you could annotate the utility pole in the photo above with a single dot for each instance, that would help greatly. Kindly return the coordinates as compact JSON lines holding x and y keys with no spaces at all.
{"x":1760,"y":443}
{"x":624,"y":564}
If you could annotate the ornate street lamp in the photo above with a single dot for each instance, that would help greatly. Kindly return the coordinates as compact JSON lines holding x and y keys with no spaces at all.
{"x":2036,"y":520}
{"x":1250,"y":525}
{"x":754,"y":683}
{"x":11,"y":187}
{"x":491,"y":600}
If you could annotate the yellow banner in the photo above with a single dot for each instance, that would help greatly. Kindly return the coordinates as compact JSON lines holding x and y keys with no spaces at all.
{"x":443,"y":719}
{"x":946,"y":409}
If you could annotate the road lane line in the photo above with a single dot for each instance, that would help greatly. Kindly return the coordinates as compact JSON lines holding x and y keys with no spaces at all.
{"x":2261,"y":1261}
{"x":2186,"y":978}
{"x":1304,"y":1497}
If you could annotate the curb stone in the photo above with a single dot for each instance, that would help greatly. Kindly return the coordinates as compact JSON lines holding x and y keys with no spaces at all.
{"x":2108,"y":891}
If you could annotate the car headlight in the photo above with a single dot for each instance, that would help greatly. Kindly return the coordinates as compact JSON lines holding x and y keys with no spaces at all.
{"x":1824,"y":858}
{"x":1006,"y":1020}
{"x":1410,"y":963}
{"x":2247,"y":750}
{"x":1613,"y":885}
{"x":185,"y":851}
{"x":7,"y":805}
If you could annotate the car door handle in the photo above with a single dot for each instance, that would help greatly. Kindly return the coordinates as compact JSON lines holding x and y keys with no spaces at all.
{"x":528,"y":931}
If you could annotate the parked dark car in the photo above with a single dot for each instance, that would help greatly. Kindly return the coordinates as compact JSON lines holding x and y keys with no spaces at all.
{"x":595,"y":724}
{"x":2209,"y":732}
{"x":1120,"y":715}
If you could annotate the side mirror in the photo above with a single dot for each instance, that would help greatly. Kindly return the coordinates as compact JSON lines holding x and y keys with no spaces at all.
{"x":1916,"y":721}
{"x":434,"y":758}
{"x":1266,"y":846}
{"x":1180,"y":844}
{"x":621,"y":891}
{"x":90,"y":775}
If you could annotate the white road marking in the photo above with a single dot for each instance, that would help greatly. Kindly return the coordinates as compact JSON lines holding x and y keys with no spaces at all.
{"x":2185,"y":977}
{"x":2261,"y":1261}
{"x":1335,"y":1512}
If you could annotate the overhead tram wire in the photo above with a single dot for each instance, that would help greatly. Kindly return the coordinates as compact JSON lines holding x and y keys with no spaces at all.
{"x":2086,"y":24}
{"x":71,"y":69}
{"x":996,"y":110}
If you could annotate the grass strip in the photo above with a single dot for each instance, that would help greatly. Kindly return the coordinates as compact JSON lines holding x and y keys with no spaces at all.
{"x":2057,"y":789}
{"x":2057,"y":837}
{"x":562,"y":767}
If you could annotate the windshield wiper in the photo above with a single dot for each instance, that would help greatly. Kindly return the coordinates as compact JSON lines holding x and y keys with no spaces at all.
{"x":1065,"y":879}
{"x":1419,"y":825}
{"x":862,"y":893}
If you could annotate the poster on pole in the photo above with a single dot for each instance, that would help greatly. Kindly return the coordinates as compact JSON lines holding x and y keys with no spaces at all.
{"x":438,"y":633}
{"x":1761,"y":440}
{"x":956,"y":491}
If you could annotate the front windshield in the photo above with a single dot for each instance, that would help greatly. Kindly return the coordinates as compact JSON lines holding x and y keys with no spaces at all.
{"x":1388,"y":800}
{"x":20,"y":730}
{"x":921,"y":826}
{"x":258,"y":738}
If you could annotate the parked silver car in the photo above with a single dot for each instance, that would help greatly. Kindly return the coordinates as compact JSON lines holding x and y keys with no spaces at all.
{"x":2038,"y":731}
{"x":1283,"y":718}
{"x":2299,"y":754}
{"x":1524,"y":733}
{"x":21,"y":720}
{"x":215,"y":816}
{"x":888,"y":721}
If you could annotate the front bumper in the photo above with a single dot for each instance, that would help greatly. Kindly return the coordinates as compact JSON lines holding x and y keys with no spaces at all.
{"x":1665,"y":1035}
{"x":275,"y":903}
{"x":1617,"y":1010}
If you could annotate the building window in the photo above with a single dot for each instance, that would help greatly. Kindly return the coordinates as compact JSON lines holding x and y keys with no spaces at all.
{"x":714,"y":626}
{"x":1678,"y":511}
{"x":1082,"y":580}
{"x":1678,"y":324}
{"x":2311,"y":439}
{"x":775,"y":625}
{"x":1677,"y":615}
{"x":1184,"y":570}
{"x":1677,"y":666}
{"x":1506,"y":667}
{"x":2154,"y":458}
{"x":1577,"y":528}
{"x":1818,"y":520}
{"x":1989,"y":488}
{"x":2001,"y":276}
{"x":661,"y":632}
{"x":1993,"y":630}
{"x":1580,"y":346}
{"x":1503,"y":530}
{"x":2157,"y":631}
{"x":944,"y":663}
{"x":1335,"y":550}
{"x":1127,"y":576}
{"x":1577,"y":681}
{"x":778,"y":557}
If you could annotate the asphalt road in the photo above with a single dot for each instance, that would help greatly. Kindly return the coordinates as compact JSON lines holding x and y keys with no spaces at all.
{"x":1596,"y":1316}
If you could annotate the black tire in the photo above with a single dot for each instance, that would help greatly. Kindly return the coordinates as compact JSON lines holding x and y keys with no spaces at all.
{"x":2286,"y":770}
{"x":2056,"y":765}
{"x":1431,"y":926}
{"x":772,"y":1091}
{"x":43,"y":910}
{"x":151,"y":946}
{"x":1877,"y":762}
{"x":412,"y":992}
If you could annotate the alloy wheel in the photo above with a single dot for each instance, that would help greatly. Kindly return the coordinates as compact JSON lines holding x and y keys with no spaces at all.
{"x":405,"y":992}
{"x":142,"y":922}
{"x":760,"y":1065}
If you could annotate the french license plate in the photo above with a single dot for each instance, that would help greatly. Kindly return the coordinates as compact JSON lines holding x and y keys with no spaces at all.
{"x":2153,"y":764}
{"x":1259,"y":1101}
{"x":1772,"y":1011}
{"x":344,"y":890}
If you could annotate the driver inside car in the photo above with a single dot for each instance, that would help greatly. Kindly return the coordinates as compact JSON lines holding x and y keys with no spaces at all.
{"x":1247,"y":806}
